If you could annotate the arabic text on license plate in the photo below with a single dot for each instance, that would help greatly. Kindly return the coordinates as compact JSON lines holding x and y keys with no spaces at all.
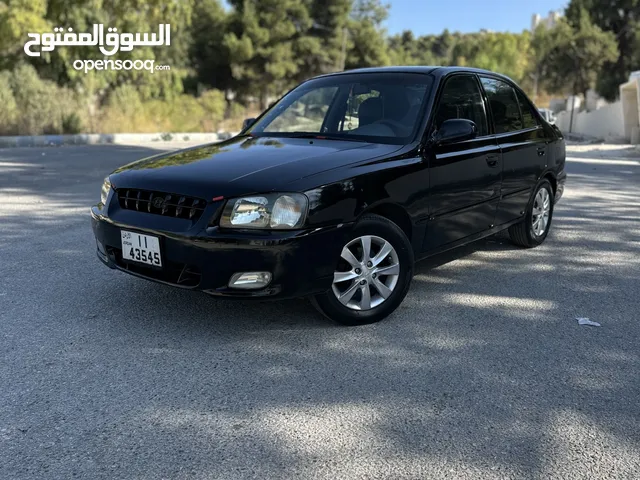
{"x":141,"y":248}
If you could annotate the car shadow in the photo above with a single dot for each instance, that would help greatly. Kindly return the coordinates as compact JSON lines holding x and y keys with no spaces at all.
{"x":497,"y":242}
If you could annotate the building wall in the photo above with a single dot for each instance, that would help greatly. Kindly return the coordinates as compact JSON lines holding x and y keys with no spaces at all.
{"x":631,"y":108}
{"x":606,"y":123}
{"x":618,"y":121}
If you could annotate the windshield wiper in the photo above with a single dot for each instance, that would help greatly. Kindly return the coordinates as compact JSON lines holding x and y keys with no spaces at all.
{"x":323,"y":136}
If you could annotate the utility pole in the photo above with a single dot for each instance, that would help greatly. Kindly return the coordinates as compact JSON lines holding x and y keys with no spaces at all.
{"x":573,"y":107}
{"x":343,"y":56}
{"x":342,"y":61}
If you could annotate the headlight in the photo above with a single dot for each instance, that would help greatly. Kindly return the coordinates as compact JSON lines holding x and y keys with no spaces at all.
{"x":277,"y":211}
{"x":104,"y":191}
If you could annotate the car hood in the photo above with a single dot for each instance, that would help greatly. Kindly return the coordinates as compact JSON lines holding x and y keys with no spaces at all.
{"x":243,"y":165}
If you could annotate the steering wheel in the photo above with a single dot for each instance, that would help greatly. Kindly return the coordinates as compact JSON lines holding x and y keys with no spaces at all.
{"x":397,"y":127}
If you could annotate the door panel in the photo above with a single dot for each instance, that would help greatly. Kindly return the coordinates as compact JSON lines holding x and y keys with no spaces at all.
{"x":523,"y":156}
{"x":464,"y":177}
{"x":522,"y":143}
{"x":464,"y":190}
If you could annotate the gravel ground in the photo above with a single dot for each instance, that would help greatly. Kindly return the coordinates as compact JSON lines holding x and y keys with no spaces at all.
{"x":482,"y":373}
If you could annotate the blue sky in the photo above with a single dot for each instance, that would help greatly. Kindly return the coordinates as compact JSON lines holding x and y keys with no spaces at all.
{"x":433,"y":16}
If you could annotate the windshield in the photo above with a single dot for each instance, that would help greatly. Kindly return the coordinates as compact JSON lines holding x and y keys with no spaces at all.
{"x":371,"y":107}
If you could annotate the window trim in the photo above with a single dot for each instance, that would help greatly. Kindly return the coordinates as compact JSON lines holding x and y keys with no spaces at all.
{"x":513,"y":132}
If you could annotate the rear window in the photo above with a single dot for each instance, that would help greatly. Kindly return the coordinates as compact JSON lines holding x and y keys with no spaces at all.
{"x":529,"y":119}
{"x":504,"y":105}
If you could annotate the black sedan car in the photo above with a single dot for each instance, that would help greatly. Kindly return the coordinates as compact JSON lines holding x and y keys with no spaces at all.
{"x":337,"y":189}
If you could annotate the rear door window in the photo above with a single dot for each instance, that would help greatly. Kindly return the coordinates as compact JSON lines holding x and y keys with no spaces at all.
{"x":504,"y":105}
{"x":529,"y":118}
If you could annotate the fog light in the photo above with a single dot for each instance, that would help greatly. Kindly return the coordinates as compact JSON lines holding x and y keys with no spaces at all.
{"x":101,"y":248}
{"x":250,"y":280}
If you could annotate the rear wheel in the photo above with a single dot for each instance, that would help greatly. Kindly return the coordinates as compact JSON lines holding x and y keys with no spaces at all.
{"x":534,"y":228}
{"x":372,"y":275}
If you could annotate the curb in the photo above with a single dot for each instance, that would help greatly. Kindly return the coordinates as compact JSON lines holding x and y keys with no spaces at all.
{"x":110,"y":138}
{"x":580,"y":138}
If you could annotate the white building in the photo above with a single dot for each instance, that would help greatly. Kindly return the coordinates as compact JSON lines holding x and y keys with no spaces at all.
{"x":549,"y":21}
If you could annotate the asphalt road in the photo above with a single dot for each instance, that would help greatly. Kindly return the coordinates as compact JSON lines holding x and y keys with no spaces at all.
{"x":482,"y":373}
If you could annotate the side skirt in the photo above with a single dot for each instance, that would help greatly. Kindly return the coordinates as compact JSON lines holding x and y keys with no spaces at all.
{"x":466,"y":240}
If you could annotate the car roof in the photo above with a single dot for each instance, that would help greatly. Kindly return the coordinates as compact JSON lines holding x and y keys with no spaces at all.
{"x":438,"y":71}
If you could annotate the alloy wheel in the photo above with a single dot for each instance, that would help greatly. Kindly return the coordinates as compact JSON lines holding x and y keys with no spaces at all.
{"x":540,"y":213}
{"x":367,"y":273}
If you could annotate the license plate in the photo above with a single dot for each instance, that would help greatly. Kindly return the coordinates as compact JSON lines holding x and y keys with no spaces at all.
{"x":141,"y":248}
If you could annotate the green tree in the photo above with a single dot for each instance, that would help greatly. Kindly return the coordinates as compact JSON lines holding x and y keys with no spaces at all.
{"x":9,"y":112}
{"x":41,"y":107}
{"x":367,"y":39}
{"x":126,"y":16}
{"x":404,"y":49}
{"x":213,"y":102}
{"x":541,"y":44}
{"x":499,"y":52}
{"x":576,"y":55}
{"x":442,"y":47}
{"x":622,"y":19}
{"x":262,"y":43}
{"x":17,"y":18}
{"x":208,"y":54}
{"x":322,"y":48}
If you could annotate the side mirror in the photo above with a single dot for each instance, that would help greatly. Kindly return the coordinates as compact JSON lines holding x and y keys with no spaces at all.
{"x":247,"y":123}
{"x":455,"y":130}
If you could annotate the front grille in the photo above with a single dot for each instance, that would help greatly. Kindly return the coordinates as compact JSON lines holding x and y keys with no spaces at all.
{"x":179,"y":274}
{"x":161,"y":203}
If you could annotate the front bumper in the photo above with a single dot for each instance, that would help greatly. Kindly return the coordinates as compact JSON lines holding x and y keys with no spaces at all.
{"x":301,"y":262}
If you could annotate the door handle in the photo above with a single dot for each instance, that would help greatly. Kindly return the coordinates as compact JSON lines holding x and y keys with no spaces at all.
{"x":492,"y":160}
{"x":542,"y":151}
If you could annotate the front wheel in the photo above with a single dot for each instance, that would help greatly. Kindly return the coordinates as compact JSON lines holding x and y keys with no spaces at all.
{"x":372,"y":275}
{"x":534,"y":228}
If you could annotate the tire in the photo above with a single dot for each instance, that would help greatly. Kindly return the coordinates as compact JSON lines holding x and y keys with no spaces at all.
{"x":528,"y":233}
{"x":377,"y":232}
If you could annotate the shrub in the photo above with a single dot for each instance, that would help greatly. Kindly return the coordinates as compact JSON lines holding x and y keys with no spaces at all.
{"x":32,"y":106}
{"x":182,"y":114}
{"x":35,"y":100}
{"x":214,"y":105}
{"x":237,"y":110}
{"x":123,"y":111}
{"x":9,"y":108}
{"x":72,"y":124}
{"x":187,"y":114}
